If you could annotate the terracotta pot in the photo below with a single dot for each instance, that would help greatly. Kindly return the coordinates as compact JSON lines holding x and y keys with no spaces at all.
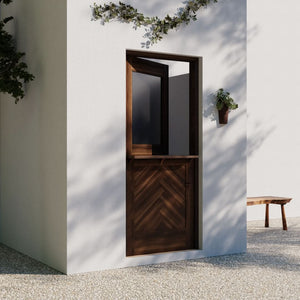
{"x":223,"y":115}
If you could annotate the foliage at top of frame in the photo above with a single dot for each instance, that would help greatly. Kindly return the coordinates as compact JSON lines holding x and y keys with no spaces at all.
{"x":155,"y":27}
{"x":13,"y":71}
{"x":6,"y":1}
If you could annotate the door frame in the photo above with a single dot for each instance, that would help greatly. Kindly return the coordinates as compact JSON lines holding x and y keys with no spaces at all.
{"x":195,"y":127}
{"x":195,"y":91}
{"x":139,"y":65}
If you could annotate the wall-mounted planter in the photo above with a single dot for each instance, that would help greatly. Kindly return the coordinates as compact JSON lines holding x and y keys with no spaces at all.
{"x":224,"y":103}
{"x":223,"y":115}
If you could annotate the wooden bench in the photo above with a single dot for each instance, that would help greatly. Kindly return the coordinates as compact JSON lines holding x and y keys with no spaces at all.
{"x":270,"y":200}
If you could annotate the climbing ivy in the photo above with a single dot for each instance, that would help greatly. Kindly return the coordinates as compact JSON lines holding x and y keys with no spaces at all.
{"x":155,"y":27}
{"x":13,"y":71}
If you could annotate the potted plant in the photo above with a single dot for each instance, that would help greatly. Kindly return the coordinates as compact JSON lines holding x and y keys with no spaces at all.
{"x":224,"y":104}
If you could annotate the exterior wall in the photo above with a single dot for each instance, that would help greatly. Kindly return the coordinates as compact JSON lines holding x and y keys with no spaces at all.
{"x":273,"y":103}
{"x":96,"y":131}
{"x":33,"y":138}
{"x":33,"y":133}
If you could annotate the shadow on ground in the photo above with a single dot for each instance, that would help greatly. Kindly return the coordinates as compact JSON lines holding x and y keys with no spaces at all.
{"x":270,"y":248}
{"x":13,"y":262}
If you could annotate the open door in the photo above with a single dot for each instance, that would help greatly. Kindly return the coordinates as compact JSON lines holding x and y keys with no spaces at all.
{"x":160,"y":188}
{"x":147,"y":108}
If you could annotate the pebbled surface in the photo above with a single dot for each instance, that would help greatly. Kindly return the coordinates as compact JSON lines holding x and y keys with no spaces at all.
{"x":269,"y":270}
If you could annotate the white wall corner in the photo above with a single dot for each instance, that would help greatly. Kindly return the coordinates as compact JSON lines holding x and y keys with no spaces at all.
{"x":96,"y":131}
{"x":33,"y":137}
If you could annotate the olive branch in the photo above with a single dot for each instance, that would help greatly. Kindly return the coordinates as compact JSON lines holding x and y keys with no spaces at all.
{"x":155,"y":27}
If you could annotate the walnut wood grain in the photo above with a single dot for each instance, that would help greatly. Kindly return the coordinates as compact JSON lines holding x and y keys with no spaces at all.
{"x":284,"y":224}
{"x":128,"y":107}
{"x":161,"y":206}
{"x":162,"y":190}
{"x":270,"y":200}
{"x":163,"y":156}
{"x":267,"y":215}
{"x":267,"y":200}
{"x":160,"y":55}
{"x":135,"y":64}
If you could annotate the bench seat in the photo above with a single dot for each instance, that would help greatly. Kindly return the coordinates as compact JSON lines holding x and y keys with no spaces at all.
{"x":270,"y":200}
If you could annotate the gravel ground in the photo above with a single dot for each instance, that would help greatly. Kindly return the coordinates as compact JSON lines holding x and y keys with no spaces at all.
{"x":269,"y":270}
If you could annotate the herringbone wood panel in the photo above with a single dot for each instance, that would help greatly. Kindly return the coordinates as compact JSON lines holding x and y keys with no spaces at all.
{"x":160,"y":206}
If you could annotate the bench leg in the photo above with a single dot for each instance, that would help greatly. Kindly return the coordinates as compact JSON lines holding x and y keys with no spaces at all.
{"x":283,"y":217}
{"x":267,"y":216}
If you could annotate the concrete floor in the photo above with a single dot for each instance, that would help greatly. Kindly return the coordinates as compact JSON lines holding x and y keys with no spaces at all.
{"x":269,"y":270}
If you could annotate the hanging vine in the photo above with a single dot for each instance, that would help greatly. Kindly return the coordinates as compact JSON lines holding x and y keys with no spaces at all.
{"x":155,"y":27}
{"x":13,"y":71}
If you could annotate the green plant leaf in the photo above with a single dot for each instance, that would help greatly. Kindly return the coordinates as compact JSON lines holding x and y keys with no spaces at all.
{"x":13,"y":71}
{"x":129,"y":14}
{"x":223,"y":98}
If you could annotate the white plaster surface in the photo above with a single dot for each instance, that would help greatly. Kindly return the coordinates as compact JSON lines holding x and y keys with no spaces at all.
{"x":273,"y":104}
{"x":33,"y":137}
{"x":53,"y":149}
{"x":96,"y":131}
{"x":33,"y":133}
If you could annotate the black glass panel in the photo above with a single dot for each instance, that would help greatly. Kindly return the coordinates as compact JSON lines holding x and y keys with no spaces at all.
{"x":146,"y":109}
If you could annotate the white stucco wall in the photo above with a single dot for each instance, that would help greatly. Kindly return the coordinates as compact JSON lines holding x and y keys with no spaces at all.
{"x":96,"y":131}
{"x":33,"y":137}
{"x":33,"y":134}
{"x":273,"y":103}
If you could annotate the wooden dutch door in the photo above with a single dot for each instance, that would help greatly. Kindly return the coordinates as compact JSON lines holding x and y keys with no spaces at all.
{"x":161,"y":188}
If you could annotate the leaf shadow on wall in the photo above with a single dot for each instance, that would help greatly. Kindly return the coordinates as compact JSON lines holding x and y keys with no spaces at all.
{"x":96,"y":200}
{"x":223,"y":32}
{"x":98,"y":209}
{"x":225,"y":149}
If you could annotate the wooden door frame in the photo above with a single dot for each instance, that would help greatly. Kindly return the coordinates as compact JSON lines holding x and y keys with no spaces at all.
{"x":195,"y":126}
{"x":135,"y":64}
{"x":195,"y":90}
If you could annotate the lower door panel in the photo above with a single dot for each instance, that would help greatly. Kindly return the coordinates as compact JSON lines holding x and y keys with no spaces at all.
{"x":160,"y":205}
